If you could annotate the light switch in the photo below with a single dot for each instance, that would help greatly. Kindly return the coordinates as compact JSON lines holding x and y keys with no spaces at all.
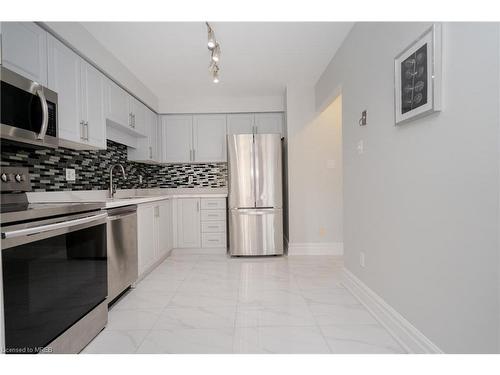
{"x":361,"y":147}
{"x":330,"y":164}
{"x":70,"y":175}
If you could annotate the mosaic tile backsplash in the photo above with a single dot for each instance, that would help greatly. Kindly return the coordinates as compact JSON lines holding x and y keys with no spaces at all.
{"x":47,"y":169}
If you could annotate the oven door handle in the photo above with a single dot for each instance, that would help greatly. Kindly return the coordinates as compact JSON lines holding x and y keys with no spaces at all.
{"x":50,"y":227}
{"x":45,"y":113}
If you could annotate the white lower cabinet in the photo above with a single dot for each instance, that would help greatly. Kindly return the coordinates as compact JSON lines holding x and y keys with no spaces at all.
{"x":154,"y":229}
{"x":201,"y":223}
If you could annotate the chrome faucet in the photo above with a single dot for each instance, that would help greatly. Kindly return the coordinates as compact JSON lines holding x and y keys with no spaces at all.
{"x":112,"y":188}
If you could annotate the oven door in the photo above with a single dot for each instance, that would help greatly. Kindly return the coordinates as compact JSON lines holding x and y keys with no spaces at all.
{"x":28,"y":111}
{"x":54,"y":273}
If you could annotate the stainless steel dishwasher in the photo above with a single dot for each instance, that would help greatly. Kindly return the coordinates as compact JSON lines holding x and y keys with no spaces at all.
{"x":122,"y":249}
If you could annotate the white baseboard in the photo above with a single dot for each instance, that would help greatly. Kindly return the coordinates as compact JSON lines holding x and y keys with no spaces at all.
{"x":409,"y":337}
{"x":211,"y":250}
{"x":316,"y":248}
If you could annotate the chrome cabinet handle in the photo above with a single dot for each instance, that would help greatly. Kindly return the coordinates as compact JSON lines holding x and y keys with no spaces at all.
{"x":198,"y":206}
{"x":45,"y":113}
{"x":86,"y":130}
{"x":150,"y":152}
{"x":130,"y":119}
{"x":82,"y":131}
{"x":49,"y":227}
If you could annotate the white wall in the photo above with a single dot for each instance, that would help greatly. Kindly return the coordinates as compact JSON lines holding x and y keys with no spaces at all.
{"x":80,"y":39}
{"x":422,"y":201}
{"x":314,"y":189}
{"x":217,"y":104}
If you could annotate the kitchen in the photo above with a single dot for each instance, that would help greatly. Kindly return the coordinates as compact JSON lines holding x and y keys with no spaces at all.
{"x":161,"y":179}
{"x":248,"y":188}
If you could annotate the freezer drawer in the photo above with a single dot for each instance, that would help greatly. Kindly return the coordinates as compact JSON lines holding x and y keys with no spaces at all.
{"x":254,"y":232}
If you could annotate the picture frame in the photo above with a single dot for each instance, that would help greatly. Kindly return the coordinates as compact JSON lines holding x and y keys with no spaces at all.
{"x":418,"y":76}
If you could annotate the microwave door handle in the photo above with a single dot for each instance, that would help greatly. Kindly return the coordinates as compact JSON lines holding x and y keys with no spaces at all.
{"x":45,"y":113}
{"x":50,"y":227}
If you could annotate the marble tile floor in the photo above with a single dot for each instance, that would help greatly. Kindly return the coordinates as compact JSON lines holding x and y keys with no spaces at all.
{"x":216,"y":304}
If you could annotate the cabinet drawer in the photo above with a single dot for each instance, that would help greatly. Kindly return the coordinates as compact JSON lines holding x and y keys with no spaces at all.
{"x":213,"y":240}
{"x":213,"y":203}
{"x":213,"y":215}
{"x":213,"y":227}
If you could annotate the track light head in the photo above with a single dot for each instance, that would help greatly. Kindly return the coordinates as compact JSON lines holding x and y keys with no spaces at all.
{"x":216,"y":53}
{"x":211,"y":42}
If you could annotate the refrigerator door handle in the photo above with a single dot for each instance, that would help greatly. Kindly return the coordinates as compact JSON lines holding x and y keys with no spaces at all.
{"x":254,"y":211}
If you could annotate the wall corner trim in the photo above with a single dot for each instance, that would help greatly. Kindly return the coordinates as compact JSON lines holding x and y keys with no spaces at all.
{"x":316,"y":248}
{"x":407,"y":335}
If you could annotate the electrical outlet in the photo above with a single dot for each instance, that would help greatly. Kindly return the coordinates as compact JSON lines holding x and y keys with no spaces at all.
{"x":362,"y":259}
{"x":322,"y":232}
{"x":70,"y":174}
{"x":330,"y":164}
{"x":361,"y":147}
{"x":140,"y":179}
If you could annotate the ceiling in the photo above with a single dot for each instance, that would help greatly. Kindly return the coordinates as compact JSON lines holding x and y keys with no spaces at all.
{"x":257,"y":58}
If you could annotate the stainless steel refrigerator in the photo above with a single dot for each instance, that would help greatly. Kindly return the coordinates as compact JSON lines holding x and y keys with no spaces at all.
{"x":255,"y":195}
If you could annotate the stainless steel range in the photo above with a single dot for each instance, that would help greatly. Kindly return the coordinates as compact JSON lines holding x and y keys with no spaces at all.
{"x":54,"y":271}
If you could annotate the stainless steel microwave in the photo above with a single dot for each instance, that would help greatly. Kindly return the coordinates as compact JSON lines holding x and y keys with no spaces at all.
{"x":28,"y":111}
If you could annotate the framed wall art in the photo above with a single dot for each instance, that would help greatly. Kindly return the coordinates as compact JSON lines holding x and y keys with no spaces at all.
{"x":417,"y":77}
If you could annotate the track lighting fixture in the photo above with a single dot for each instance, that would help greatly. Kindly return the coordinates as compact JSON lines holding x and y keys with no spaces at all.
{"x":214,"y":70}
{"x":216,"y":53}
{"x":214,"y":48}
{"x":211,"y":38}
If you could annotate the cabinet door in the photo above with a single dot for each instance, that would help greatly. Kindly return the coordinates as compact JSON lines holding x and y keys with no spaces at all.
{"x":24,"y":50}
{"x":138,"y":112}
{"x":93,"y":105}
{"x":209,"y":138}
{"x":188,"y":223}
{"x":241,"y":123}
{"x":269,"y":123}
{"x":153,"y":134}
{"x":146,"y":236}
{"x":177,"y":138}
{"x":117,"y":104}
{"x":64,"y":78}
{"x":164,"y":227}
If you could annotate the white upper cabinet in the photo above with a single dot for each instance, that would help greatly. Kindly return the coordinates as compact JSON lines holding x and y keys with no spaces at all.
{"x":64,"y":78}
{"x":147,"y":148}
{"x":241,"y":123}
{"x":177,"y":138}
{"x":209,"y":138}
{"x":249,"y":123}
{"x":266,"y":123}
{"x":137,"y":113}
{"x":117,"y":104}
{"x":24,"y":50}
{"x":125,"y":110}
{"x":93,"y":106}
{"x":80,"y":97}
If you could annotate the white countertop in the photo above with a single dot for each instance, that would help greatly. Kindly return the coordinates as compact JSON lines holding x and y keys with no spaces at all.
{"x":125,"y":197}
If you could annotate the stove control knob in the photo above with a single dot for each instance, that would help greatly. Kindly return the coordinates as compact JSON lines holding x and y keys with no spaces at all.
{"x":18,"y":177}
{"x":4,"y":177}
